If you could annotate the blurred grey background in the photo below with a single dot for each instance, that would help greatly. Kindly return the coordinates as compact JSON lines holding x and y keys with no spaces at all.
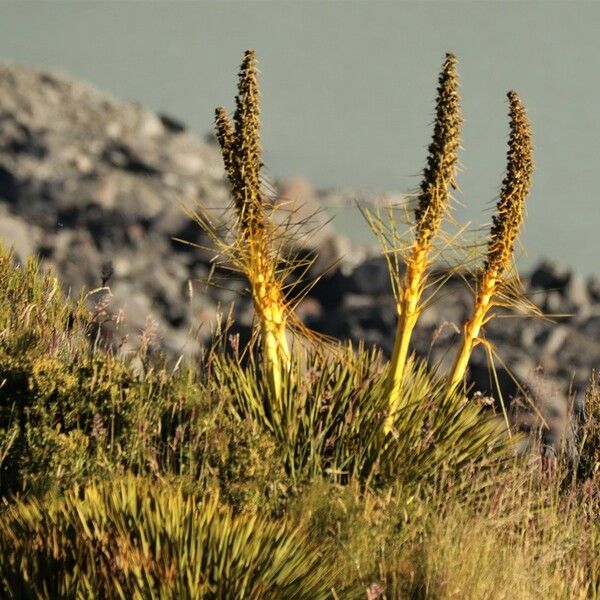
{"x":348,"y":89}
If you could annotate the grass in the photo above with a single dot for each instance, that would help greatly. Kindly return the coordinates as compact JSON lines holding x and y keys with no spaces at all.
{"x":279,"y":471}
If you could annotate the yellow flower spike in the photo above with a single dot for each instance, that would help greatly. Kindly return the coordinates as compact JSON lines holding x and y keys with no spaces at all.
{"x":438,"y":176}
{"x":506,"y":224}
{"x":241,"y":150}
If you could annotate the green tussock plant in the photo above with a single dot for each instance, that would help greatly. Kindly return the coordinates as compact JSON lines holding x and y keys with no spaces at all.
{"x":131,"y":540}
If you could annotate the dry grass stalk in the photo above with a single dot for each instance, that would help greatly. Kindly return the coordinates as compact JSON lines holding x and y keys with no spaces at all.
{"x":438,"y":176}
{"x":241,"y":150}
{"x":506,"y":224}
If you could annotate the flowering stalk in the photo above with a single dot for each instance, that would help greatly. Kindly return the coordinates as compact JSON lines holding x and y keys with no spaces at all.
{"x":506,"y":224}
{"x":241,"y":150}
{"x":438,"y":175}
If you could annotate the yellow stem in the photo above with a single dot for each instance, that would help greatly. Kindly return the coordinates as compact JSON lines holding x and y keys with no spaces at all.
{"x":407,"y":320}
{"x":473,"y":327}
{"x":277,"y":354}
{"x":273,"y":362}
{"x":269,"y":307}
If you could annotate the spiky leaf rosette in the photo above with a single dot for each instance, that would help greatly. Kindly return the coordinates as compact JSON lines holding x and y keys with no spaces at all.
{"x":130,"y":538}
{"x":329,"y":422}
{"x":505,"y":228}
{"x":438,"y":176}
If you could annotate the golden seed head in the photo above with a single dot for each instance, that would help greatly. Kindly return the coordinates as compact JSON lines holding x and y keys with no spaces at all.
{"x":511,"y":205}
{"x":442,"y":160}
{"x":225,"y":135}
{"x":226,"y":138}
{"x":247,"y":148}
{"x":240,"y":146}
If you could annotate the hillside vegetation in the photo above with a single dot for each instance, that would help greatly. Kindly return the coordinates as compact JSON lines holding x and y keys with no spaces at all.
{"x":293,"y":467}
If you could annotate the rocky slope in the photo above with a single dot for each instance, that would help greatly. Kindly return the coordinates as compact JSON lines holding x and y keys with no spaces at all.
{"x":87,"y":180}
{"x":95,"y":186}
